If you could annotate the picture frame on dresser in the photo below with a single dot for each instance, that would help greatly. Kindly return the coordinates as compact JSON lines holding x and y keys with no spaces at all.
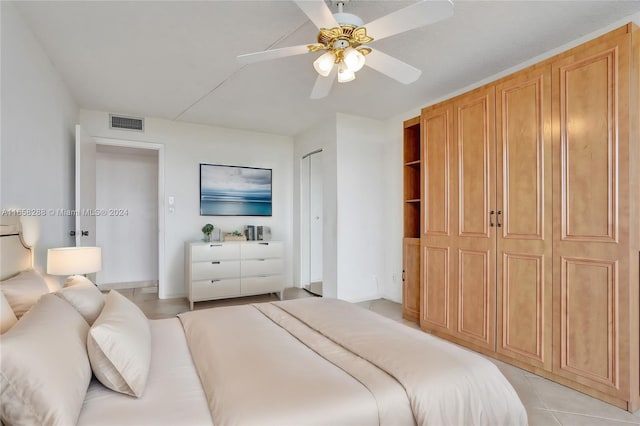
{"x":235,"y":190}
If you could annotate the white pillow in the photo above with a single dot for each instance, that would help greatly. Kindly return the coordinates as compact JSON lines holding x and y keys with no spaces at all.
{"x":45,"y":368}
{"x":24,"y":290}
{"x":87,"y":300}
{"x":7,"y":317}
{"x":119,"y":346}
{"x":78,"y":280}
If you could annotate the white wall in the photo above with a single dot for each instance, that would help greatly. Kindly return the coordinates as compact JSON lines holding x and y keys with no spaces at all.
{"x":36,"y":141}
{"x":127,"y":179}
{"x":391,"y":287}
{"x":355,"y":241}
{"x":362,"y":242}
{"x":185,"y":147}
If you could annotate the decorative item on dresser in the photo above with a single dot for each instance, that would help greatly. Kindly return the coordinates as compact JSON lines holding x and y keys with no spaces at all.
{"x":207,"y":230}
{"x":529,"y":235}
{"x":234,"y":236}
{"x":232,"y":269}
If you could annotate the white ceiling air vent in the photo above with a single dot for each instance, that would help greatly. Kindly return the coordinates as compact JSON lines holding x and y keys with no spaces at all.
{"x":126,"y":123}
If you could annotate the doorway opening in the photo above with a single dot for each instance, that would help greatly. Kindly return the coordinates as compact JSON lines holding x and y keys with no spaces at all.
{"x":129,"y":183}
{"x":311,"y":215}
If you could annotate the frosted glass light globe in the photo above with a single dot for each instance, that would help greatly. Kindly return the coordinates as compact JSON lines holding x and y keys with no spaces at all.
{"x":345,"y":74}
{"x":324,"y":64}
{"x":353,"y":59}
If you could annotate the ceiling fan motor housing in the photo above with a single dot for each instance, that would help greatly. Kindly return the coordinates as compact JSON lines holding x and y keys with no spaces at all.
{"x":348,"y":19}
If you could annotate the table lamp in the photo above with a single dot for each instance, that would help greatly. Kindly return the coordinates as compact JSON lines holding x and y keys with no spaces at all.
{"x":74,"y":261}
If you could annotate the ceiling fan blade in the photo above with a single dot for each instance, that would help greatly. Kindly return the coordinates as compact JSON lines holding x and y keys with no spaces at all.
{"x":324,"y":84}
{"x":318,"y":12}
{"x":392,"y":67}
{"x":273,"y":54}
{"x":417,"y":15}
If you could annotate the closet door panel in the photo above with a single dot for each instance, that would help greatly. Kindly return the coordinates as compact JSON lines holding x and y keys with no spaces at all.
{"x":588,"y":336}
{"x":473,"y":247}
{"x":436,"y":295}
{"x":475,"y":320}
{"x":524,"y":243}
{"x":475,"y":161}
{"x":411,"y":279}
{"x":436,"y":136}
{"x":524,"y":334}
{"x":588,"y":123}
{"x":591,"y":216}
{"x":437,"y":140}
{"x":522,"y":147}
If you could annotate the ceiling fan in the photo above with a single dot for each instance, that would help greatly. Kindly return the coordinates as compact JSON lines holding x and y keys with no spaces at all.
{"x":343,"y":36}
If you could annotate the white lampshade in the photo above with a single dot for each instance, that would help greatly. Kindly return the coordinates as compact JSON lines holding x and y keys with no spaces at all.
{"x":74,"y":260}
{"x":353,"y":59}
{"x":324,"y":64}
{"x":345,"y":74}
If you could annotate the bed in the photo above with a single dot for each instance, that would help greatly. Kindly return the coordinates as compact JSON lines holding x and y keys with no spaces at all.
{"x":298,"y":362}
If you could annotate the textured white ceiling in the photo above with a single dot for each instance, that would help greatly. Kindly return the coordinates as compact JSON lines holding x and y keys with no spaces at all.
{"x":176,"y":59}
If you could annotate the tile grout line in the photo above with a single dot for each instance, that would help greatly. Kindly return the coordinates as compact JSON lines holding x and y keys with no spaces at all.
{"x":589,"y":415}
{"x":544,"y":403}
{"x":551,"y":410}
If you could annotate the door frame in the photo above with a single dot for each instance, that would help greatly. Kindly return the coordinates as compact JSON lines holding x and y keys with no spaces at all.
{"x":305,"y":231}
{"x":124,"y":143}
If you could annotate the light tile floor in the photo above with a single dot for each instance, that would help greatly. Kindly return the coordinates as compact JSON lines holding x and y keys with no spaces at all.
{"x":547,"y":403}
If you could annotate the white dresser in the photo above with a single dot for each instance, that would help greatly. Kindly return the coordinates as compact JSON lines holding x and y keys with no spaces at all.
{"x":233,"y":269}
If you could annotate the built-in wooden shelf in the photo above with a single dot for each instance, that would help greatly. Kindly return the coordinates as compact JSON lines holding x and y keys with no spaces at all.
{"x":412,"y":176}
{"x":413,"y":206}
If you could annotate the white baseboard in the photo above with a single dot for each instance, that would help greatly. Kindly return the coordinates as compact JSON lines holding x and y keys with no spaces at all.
{"x":120,"y":286}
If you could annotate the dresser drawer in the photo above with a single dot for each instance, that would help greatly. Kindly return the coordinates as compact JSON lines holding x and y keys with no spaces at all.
{"x":211,"y":289}
{"x":264,"y":250}
{"x":215,"y":269}
{"x":261,"y":285}
{"x":261,"y":267}
{"x":214,"y":251}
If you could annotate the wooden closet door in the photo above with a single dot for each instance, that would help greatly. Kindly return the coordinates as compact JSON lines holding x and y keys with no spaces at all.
{"x":473,"y":245}
{"x":523,"y":121}
{"x":411,"y":279}
{"x":437,"y":140}
{"x":591,"y":221}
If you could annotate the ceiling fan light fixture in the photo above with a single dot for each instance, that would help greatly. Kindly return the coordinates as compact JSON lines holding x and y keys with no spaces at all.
{"x":324,"y":64}
{"x":345,"y":75}
{"x":353,"y":59}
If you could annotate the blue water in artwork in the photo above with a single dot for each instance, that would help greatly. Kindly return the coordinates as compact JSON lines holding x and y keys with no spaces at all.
{"x":235,"y":202}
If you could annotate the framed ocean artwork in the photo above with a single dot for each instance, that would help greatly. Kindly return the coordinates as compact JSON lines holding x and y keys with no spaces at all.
{"x":235,"y":191}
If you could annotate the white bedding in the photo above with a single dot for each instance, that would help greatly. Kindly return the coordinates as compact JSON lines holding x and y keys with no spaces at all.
{"x":173,"y":395}
{"x":304,"y":362}
{"x":328,"y":362}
